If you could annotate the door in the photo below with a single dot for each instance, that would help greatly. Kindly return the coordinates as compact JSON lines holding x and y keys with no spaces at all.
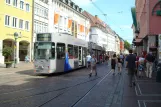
{"x":60,"y":55}
{"x":80,"y":56}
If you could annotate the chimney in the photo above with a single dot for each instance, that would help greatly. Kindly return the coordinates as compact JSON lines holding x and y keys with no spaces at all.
{"x":96,"y":16}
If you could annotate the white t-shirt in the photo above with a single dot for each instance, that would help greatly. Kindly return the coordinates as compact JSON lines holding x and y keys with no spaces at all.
{"x":88,"y":58}
{"x":141,"y":60}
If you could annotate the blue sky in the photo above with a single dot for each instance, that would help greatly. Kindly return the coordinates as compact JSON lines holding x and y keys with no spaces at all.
{"x":118,"y":14}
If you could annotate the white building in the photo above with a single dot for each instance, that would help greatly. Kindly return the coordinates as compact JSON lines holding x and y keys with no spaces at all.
{"x":98,"y":32}
{"x":66,"y":16}
{"x":112,"y":41}
{"x":41,"y":22}
{"x":117,"y":44}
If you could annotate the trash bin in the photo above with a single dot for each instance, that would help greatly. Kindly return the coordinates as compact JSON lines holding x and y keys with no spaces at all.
{"x":158,"y":77}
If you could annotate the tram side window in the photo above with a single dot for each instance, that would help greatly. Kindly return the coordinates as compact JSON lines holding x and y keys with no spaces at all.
{"x":70,"y":51}
{"x":53,"y":51}
{"x":84,"y":52}
{"x":75,"y":51}
{"x":60,"y":51}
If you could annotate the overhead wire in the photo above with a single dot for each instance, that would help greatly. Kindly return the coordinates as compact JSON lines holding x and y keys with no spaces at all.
{"x":105,"y":15}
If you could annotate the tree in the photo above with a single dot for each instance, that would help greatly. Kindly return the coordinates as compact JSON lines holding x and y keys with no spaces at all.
{"x":126,"y":44}
{"x":7,"y":53}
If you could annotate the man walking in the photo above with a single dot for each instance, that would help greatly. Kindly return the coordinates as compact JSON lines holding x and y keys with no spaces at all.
{"x":149,"y":64}
{"x":131,"y":66}
{"x":88,"y":57}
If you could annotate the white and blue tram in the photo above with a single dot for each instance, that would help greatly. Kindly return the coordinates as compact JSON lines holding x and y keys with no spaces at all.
{"x":58,"y":52}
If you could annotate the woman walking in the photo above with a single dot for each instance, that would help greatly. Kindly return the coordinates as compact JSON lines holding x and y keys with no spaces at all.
{"x":93,"y":65}
{"x":113,"y":63}
{"x":119,"y":64}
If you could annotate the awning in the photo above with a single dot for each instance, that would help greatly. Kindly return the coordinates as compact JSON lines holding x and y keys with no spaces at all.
{"x":137,"y":40}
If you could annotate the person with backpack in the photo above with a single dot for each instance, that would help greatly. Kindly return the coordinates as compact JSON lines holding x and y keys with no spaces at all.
{"x":113,"y":63}
{"x":93,"y":65}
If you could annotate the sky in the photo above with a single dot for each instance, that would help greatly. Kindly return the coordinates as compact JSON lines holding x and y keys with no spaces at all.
{"x":118,"y":12}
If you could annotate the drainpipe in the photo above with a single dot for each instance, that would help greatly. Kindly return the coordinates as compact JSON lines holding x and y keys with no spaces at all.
{"x":33,"y":13}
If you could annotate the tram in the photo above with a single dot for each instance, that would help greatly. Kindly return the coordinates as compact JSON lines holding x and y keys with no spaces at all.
{"x":58,"y":52}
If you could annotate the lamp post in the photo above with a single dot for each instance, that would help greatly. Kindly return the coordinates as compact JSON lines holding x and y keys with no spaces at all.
{"x":15,"y":48}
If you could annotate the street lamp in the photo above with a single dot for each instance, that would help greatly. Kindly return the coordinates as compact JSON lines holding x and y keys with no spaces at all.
{"x":15,"y":55}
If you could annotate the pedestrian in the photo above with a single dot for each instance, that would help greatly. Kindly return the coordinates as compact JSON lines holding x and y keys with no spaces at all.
{"x":113,"y":63}
{"x":137,"y":63}
{"x":149,"y":64}
{"x":119,"y":65}
{"x":106,"y":59}
{"x":101,"y":58}
{"x":141,"y":66}
{"x":27,"y":59}
{"x":131,"y":66}
{"x":88,"y":57}
{"x":122,"y":58}
{"x":93,"y":65}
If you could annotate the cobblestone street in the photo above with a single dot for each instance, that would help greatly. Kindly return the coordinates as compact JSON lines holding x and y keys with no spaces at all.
{"x":76,"y":89}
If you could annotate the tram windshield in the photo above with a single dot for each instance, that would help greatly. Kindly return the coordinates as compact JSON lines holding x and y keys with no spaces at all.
{"x":43,"y":50}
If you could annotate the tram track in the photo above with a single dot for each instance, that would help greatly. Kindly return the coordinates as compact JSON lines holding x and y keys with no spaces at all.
{"x":81,"y":98}
{"x":46,"y":92}
{"x":24,"y":79}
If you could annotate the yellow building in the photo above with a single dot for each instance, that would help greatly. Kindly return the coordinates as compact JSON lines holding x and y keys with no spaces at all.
{"x":16,"y":16}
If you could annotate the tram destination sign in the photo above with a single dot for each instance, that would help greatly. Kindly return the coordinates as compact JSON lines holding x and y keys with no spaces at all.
{"x":44,"y":37}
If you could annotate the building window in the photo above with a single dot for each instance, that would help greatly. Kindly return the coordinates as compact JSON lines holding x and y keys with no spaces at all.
{"x":46,"y":13}
{"x":42,"y":14}
{"x":8,"y":1}
{"x":65,"y":22}
{"x":34,"y":26}
{"x":21,"y":24}
{"x":61,"y":21}
{"x":21,"y":4}
{"x":14,"y":22}
{"x":7,"y":20}
{"x":27,"y":7}
{"x":15,"y":3}
{"x":72,"y":28}
{"x":27,"y":25}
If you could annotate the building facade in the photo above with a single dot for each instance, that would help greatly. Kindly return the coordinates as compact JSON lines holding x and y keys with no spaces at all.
{"x":41,"y":16}
{"x":148,"y":24}
{"x":117,"y":44}
{"x":98,"y":34}
{"x":66,"y":16}
{"x":121,"y":45}
{"x":16,"y":16}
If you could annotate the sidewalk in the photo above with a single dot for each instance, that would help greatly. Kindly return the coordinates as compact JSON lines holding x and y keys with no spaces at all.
{"x":147,"y":93}
{"x":19,"y":67}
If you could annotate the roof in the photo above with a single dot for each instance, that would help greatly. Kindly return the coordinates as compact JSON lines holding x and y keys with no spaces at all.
{"x":93,"y":20}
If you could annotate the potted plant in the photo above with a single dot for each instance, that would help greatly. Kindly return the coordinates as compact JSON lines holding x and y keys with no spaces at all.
{"x":7,"y":53}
